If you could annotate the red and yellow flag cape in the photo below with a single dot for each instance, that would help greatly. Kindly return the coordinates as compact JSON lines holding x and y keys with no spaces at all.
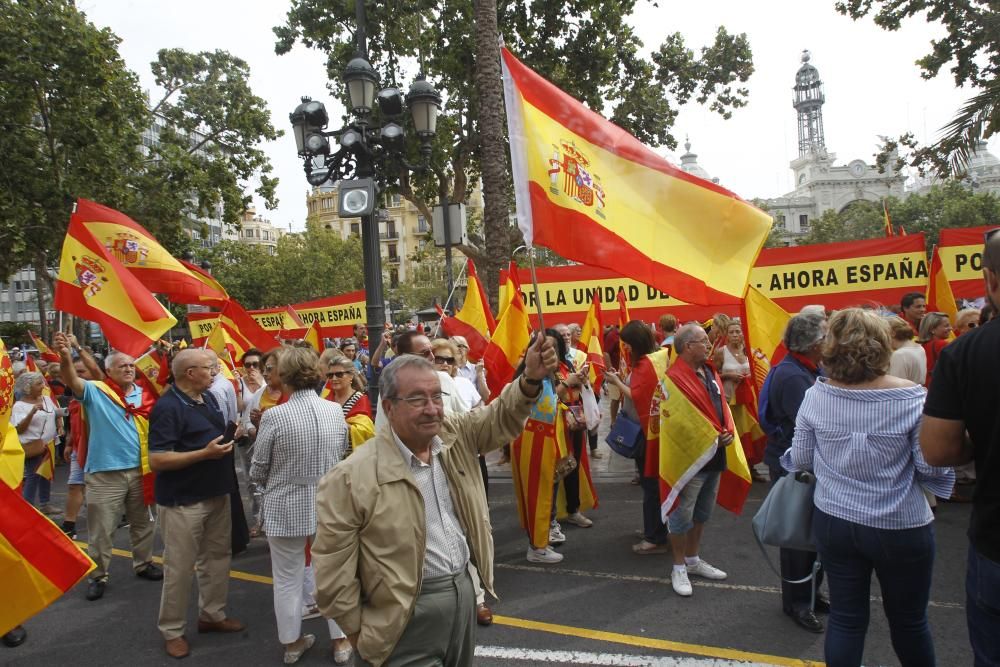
{"x":688,"y":430}
{"x":139,"y":418}
{"x":360,"y":426}
{"x":533,"y":461}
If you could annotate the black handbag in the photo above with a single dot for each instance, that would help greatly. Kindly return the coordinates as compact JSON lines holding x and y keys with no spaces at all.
{"x":627,"y":437}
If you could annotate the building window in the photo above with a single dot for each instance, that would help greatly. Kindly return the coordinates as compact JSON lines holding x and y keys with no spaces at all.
{"x":390,"y":229}
{"x":356,"y":228}
{"x":393,"y":277}
{"x":779,"y":220}
{"x":422,"y":227}
{"x":397,"y":200}
{"x":803,"y":222}
{"x":392,"y":251}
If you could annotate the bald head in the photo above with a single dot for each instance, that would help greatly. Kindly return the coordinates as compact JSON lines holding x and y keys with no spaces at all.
{"x":193,"y":370}
{"x":991,"y":253}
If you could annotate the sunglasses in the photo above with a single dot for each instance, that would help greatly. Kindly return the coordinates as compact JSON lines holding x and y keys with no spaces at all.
{"x":338,"y":374}
{"x":251,"y":364}
{"x":444,"y":360}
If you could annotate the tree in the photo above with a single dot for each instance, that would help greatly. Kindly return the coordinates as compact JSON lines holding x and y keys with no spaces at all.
{"x":585,"y":47}
{"x":71,"y":115}
{"x":944,"y":206}
{"x":971,"y":48}
{"x":210,"y":126}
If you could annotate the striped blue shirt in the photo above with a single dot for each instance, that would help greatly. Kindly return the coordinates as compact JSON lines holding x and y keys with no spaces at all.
{"x":863,"y":446}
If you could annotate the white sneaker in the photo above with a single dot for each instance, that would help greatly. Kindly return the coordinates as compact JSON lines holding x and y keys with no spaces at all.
{"x":578,"y":519}
{"x":703,"y":569}
{"x":556,"y":536}
{"x":545,"y":555}
{"x":679,"y":580}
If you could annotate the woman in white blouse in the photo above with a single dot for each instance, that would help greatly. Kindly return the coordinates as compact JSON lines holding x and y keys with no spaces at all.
{"x":37,"y":421}
{"x":857,"y":431}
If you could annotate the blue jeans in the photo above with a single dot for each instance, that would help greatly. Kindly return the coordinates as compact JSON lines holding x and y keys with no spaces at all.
{"x":982,"y":608}
{"x":35,"y":484}
{"x":903,"y":560}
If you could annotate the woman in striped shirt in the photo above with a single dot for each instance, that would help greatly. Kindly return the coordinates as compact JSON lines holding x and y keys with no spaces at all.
{"x":857,"y":431}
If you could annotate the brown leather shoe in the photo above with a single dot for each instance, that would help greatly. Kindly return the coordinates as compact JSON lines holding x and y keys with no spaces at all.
{"x":177,"y":648}
{"x":484,"y":616}
{"x":225,"y":625}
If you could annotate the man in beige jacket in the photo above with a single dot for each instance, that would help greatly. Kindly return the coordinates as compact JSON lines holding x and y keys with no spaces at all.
{"x":399,"y":520}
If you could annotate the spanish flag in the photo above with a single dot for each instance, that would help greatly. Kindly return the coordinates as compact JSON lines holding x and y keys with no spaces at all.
{"x":44,"y":351}
{"x":313,"y":337}
{"x":764,"y":324}
{"x":594,"y":194}
{"x":590,"y":342}
{"x":93,"y":285}
{"x":241,"y":325}
{"x":39,"y":562}
{"x":939,"y":295}
{"x":11,"y":452}
{"x":689,"y":430}
{"x":151,"y":371}
{"x":507,"y":344}
{"x":474,"y":320}
{"x":139,"y":252}
{"x":46,"y":468}
{"x":887,"y":221}
{"x":508,"y":284}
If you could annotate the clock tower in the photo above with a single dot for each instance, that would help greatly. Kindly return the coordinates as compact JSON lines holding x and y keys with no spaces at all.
{"x":808,"y":102}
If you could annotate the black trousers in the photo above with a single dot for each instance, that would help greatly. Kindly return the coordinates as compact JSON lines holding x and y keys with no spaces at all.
{"x":796,"y":564}
{"x":572,"y":480}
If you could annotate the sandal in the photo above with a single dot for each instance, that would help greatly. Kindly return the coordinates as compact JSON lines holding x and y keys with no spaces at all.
{"x":645,"y":548}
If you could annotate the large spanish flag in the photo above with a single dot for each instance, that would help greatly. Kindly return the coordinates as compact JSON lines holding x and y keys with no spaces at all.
{"x":474,"y":320}
{"x":92,"y":284}
{"x":508,"y":343}
{"x":593,"y":193}
{"x":689,"y":429}
{"x":139,"y":252}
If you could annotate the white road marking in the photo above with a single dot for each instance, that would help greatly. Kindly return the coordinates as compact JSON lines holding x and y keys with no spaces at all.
{"x":666,"y":581}
{"x":611,"y":659}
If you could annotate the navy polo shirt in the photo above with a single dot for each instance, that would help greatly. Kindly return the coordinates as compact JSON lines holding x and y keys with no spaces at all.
{"x":178,"y":423}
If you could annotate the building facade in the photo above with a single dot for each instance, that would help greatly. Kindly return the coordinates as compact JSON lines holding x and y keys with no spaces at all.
{"x":259,"y":231}
{"x":19,"y":299}
{"x":404,"y":233}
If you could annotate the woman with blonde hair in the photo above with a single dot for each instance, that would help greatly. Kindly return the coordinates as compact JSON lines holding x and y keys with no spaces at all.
{"x":908,"y":361}
{"x":966,"y":320}
{"x":857,"y":431}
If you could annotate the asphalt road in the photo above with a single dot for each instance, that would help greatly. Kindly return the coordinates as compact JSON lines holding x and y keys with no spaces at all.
{"x":602,"y":605}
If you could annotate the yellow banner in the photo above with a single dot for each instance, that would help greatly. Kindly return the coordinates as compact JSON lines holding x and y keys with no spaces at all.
{"x":336,"y":315}
{"x":276,"y":321}
{"x":834,"y":276}
{"x":963,"y":262}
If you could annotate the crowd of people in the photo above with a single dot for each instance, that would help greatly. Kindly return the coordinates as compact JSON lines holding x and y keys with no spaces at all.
{"x":376,"y":517}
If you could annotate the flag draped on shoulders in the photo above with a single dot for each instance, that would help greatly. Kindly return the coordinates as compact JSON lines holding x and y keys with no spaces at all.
{"x":474,"y":320}
{"x":38,"y":561}
{"x":138,"y":417}
{"x":689,"y":429}
{"x":139,"y":252}
{"x":92,"y":284}
{"x":591,"y":192}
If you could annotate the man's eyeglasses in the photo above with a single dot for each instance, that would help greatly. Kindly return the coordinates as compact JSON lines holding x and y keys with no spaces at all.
{"x":444,"y":360}
{"x":251,"y":364}
{"x":338,"y":374}
{"x":421,"y":402}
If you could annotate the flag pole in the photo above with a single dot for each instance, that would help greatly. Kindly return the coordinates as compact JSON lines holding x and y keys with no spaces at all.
{"x":534,"y":285}
{"x":454,"y":286}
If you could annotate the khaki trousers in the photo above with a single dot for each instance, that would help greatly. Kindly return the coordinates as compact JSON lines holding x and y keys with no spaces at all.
{"x":108,"y":493}
{"x":195,"y":536}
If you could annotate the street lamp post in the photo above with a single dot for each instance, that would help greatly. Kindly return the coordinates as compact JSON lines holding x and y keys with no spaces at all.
{"x":363,"y":163}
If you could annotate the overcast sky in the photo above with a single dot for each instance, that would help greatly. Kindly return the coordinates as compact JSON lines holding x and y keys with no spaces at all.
{"x":872,"y":85}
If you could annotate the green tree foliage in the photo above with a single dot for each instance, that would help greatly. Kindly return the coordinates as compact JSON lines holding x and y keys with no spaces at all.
{"x":312,"y":265}
{"x":210,"y":126}
{"x":586,"y":47}
{"x":71,"y":115}
{"x":945,"y":206}
{"x":970,"y":49}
